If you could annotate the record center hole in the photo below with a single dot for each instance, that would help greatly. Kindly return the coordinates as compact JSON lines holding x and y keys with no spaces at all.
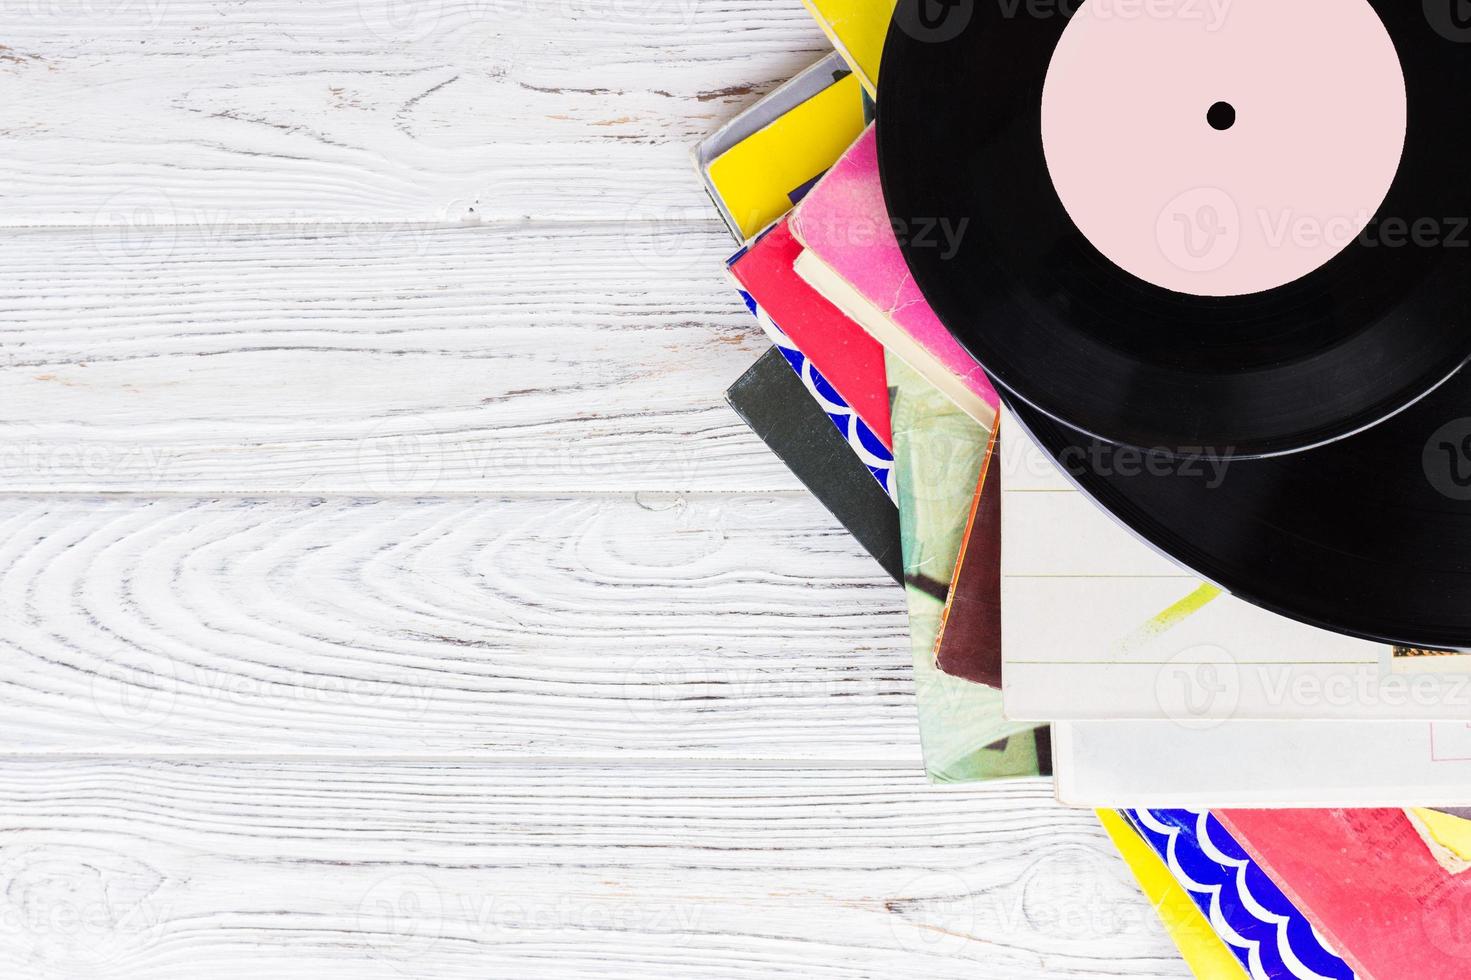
{"x":1221,"y":116}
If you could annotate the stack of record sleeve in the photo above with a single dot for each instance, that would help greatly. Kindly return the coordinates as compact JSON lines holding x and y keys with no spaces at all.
{"x":1285,"y":794}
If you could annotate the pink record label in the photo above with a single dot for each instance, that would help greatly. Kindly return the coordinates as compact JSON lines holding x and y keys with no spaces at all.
{"x":1223,"y":147}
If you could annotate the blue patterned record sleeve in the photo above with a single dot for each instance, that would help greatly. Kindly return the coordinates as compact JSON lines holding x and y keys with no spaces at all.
{"x":860,"y":438}
{"x":1262,"y":928}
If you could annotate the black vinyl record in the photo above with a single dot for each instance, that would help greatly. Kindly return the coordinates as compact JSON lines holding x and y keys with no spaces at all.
{"x":1369,"y":536}
{"x":1069,"y":332}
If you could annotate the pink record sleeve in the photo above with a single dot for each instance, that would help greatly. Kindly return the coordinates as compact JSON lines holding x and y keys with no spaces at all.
{"x":844,"y":221}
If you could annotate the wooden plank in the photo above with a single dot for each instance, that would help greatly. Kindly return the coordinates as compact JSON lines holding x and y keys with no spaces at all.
{"x":380,"y":869}
{"x":657,"y":626}
{"x":341,"y":505}
{"x":536,"y":358}
{"x":141,"y":112}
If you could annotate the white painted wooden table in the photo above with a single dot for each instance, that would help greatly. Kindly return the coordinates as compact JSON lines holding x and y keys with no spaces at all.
{"x":385,"y":588}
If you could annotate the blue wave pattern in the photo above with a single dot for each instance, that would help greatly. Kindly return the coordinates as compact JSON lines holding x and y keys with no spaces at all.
{"x":1265,"y":931}
{"x":871,"y":451}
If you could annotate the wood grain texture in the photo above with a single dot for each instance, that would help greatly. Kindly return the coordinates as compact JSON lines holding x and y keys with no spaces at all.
{"x":385,"y":588}
{"x":137,"y":113}
{"x":319,"y":869}
{"x":668,"y":626}
{"x":541,"y":358}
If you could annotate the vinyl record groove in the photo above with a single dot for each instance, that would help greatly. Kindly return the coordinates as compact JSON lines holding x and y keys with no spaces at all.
{"x":1356,"y":338}
{"x":1305,"y":445}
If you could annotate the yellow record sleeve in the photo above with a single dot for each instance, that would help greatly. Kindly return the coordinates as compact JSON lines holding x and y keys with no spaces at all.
{"x":857,"y":28}
{"x":1204,"y":951}
{"x":761,"y":177}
